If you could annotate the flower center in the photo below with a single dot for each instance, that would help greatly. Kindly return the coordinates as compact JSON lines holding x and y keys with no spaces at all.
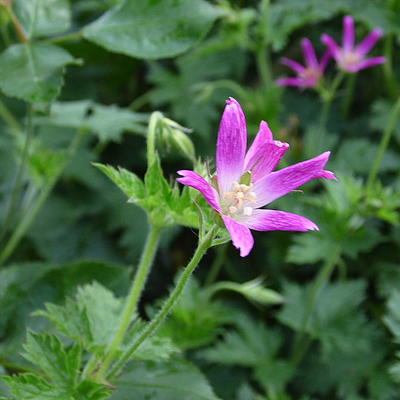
{"x":350,"y":58}
{"x":235,"y":203}
{"x":311,"y":73}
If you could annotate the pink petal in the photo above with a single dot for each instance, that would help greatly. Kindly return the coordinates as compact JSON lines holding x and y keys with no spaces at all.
{"x":369,"y":62}
{"x":194,"y":180}
{"x":309,"y":53}
{"x":263,"y":136}
{"x":369,"y":42}
{"x":265,"y":159}
{"x":290,"y":82}
{"x":278,"y":183}
{"x":332,"y":45}
{"x":241,"y":236}
{"x":294,"y":65}
{"x":231,"y":145}
{"x":273,"y":220}
{"x":348,"y":33}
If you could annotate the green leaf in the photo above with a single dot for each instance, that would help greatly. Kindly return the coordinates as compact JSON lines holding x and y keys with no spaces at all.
{"x":47,"y":352}
{"x":43,"y":17}
{"x":33,"y":71}
{"x":127,"y":181}
{"x":107,"y":122}
{"x":32,"y":387}
{"x":195,"y":320}
{"x":252,"y":345}
{"x":175,"y":380}
{"x":151,"y":28}
{"x":253,"y":290}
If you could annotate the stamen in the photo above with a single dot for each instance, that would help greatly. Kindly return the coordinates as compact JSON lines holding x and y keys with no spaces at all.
{"x":248,"y":211}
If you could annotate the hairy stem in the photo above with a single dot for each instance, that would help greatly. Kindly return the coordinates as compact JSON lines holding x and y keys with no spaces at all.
{"x":135,"y":292}
{"x":387,"y":134}
{"x":152,"y":326}
{"x":16,"y":191}
{"x":28,"y":218}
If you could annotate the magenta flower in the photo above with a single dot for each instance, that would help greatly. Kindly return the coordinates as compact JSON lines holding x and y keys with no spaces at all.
{"x":352,"y":58}
{"x":308,"y":75}
{"x":245,"y":181}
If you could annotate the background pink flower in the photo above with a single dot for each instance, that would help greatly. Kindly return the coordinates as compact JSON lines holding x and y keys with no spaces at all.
{"x":352,"y":58}
{"x":308,"y":75}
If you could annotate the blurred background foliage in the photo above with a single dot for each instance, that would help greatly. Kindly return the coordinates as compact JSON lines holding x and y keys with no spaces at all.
{"x":88,"y":98}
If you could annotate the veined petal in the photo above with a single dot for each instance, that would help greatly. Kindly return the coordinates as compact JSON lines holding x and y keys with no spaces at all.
{"x":241,"y":236}
{"x":194,"y":180}
{"x":348,"y":33}
{"x":231,"y":145}
{"x":274,"y":220}
{"x":278,"y":183}
{"x":369,"y":62}
{"x":369,"y":42}
{"x":264,"y":160}
{"x":294,"y":65}
{"x":309,"y":53}
{"x":332,"y":45}
{"x":263,"y":136}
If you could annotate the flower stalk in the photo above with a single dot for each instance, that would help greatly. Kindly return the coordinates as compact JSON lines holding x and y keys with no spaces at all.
{"x":387,"y":134}
{"x":134,"y":295}
{"x":203,"y":245}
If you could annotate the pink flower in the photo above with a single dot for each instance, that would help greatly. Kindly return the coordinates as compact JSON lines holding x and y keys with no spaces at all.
{"x":352,"y":58}
{"x":311,"y":73}
{"x":246,"y":181}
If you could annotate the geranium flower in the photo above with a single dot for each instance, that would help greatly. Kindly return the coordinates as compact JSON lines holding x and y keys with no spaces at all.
{"x":352,"y":58}
{"x":245,"y":182}
{"x":308,"y":75}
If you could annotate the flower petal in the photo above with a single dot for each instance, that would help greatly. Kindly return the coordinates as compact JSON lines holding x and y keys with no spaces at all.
{"x":369,"y":42}
{"x":294,"y":65}
{"x":231,"y":145}
{"x":309,"y":53}
{"x":193,"y":179}
{"x":274,"y":220}
{"x":332,"y":45}
{"x":348,"y":33}
{"x":241,"y":236}
{"x":290,"y":82}
{"x":264,"y":160}
{"x":278,"y":183}
{"x":369,"y":62}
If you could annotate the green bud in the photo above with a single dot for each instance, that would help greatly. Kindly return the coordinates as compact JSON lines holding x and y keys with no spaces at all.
{"x":175,"y":135}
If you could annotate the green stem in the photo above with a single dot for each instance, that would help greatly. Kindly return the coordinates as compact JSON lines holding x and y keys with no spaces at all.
{"x":28,"y":218}
{"x":327,"y":99}
{"x":66,"y":38}
{"x":216,"y":265}
{"x":300,"y":343}
{"x":151,"y":137}
{"x":135,"y":292}
{"x":262,"y":54}
{"x":390,"y":78}
{"x":387,"y":134}
{"x":19,"y":29}
{"x":351,"y":81}
{"x":264,"y":66}
{"x":16,"y":191}
{"x":152,"y":326}
{"x":9,"y":119}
